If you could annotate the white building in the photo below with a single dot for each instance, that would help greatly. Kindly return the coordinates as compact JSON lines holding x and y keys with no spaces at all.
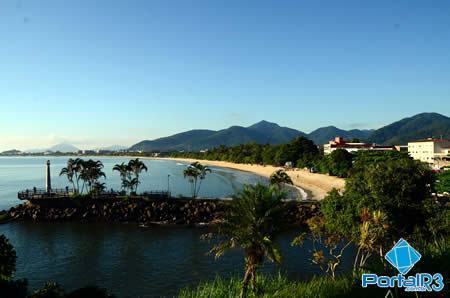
{"x":340,"y":143}
{"x":435,"y":152}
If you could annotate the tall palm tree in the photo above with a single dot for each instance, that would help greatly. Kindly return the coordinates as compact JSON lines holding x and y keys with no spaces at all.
{"x":137,"y":167}
{"x":90,"y":172}
{"x":279,"y":178}
{"x":251,"y":223}
{"x":98,"y":187}
{"x":69,"y":171}
{"x":195,"y":172}
{"x":130,"y":184}
{"x":124,"y":172}
{"x":72,"y":171}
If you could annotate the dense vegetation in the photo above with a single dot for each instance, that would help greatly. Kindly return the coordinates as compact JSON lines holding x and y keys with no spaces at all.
{"x":298,"y":149}
{"x":387,"y":197}
{"x":443,"y":182}
{"x":300,"y":152}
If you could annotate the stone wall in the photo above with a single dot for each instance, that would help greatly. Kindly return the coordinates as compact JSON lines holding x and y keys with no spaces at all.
{"x":173,"y":211}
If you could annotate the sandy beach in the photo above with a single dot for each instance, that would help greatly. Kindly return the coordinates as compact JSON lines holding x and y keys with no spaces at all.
{"x":316,"y":184}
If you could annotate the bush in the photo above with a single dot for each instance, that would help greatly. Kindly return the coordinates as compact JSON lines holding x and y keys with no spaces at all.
{"x":7,"y":258}
{"x":443,"y":182}
{"x":50,"y":290}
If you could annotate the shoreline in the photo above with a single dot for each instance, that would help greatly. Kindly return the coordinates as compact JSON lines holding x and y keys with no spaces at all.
{"x":316,"y":185}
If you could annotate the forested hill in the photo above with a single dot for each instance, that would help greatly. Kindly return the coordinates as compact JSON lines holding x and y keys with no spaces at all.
{"x":417,"y":127}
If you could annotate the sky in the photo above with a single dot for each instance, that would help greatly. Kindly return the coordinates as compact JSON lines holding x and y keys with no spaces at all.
{"x":99,"y":73}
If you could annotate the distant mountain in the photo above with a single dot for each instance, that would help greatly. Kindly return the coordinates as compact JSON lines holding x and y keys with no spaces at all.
{"x":324,"y":134}
{"x":63,"y":147}
{"x":11,"y":152}
{"x":274,"y":133}
{"x":113,"y":148}
{"x":182,"y":141}
{"x":262,"y":132}
{"x":417,"y":127}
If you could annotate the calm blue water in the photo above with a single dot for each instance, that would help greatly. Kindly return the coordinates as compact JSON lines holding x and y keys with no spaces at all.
{"x":133,"y":261}
{"x":129,"y":260}
{"x":18,"y":173}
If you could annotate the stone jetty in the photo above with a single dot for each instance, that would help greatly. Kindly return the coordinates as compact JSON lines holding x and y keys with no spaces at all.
{"x":170,"y":212}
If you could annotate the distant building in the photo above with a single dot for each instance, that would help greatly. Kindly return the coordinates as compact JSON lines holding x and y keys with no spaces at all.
{"x":340,"y":143}
{"x":104,"y":152}
{"x":86,"y":152}
{"x":435,"y":152}
{"x":401,"y":148}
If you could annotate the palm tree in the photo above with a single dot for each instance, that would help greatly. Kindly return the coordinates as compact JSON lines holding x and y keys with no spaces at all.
{"x":69,"y":171}
{"x":98,"y":187}
{"x":251,"y":223}
{"x":137,"y":166}
{"x":194,"y":172}
{"x":130,"y":184}
{"x":90,"y":172}
{"x":279,"y":178}
{"x":124,"y":172}
{"x":72,"y":171}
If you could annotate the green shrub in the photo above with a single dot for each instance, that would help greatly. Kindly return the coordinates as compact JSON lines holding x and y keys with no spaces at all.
{"x":7,"y":259}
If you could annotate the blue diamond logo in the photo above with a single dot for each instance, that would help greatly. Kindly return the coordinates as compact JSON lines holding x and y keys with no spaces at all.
{"x":403,"y":256}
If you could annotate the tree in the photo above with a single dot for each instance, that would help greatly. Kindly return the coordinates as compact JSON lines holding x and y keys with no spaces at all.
{"x":7,"y":259}
{"x":399,"y":188}
{"x":382,"y":202}
{"x":279,"y":178}
{"x":98,"y":187}
{"x":125,"y":174}
{"x":251,"y":223}
{"x":137,"y":166}
{"x":195,"y":172}
{"x":72,"y":171}
{"x":50,"y":290}
{"x":443,"y":182}
{"x":90,"y":173}
{"x":330,"y":249}
{"x":339,"y":163}
{"x":69,"y":171}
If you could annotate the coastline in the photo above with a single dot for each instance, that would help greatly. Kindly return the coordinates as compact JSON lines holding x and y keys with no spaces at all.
{"x":316,"y":185}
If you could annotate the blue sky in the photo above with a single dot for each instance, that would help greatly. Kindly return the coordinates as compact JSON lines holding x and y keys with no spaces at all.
{"x":99,"y":73}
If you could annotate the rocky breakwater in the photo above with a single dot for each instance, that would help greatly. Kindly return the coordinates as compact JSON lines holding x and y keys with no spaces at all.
{"x":174,"y":211}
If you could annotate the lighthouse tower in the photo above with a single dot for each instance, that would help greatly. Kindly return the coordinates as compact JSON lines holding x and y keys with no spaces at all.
{"x":48,"y":181}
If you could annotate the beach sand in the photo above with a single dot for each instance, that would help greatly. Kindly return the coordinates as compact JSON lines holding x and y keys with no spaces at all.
{"x":316,"y":184}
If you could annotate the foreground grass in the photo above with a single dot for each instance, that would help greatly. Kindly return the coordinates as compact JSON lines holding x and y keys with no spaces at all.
{"x":279,"y":286}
